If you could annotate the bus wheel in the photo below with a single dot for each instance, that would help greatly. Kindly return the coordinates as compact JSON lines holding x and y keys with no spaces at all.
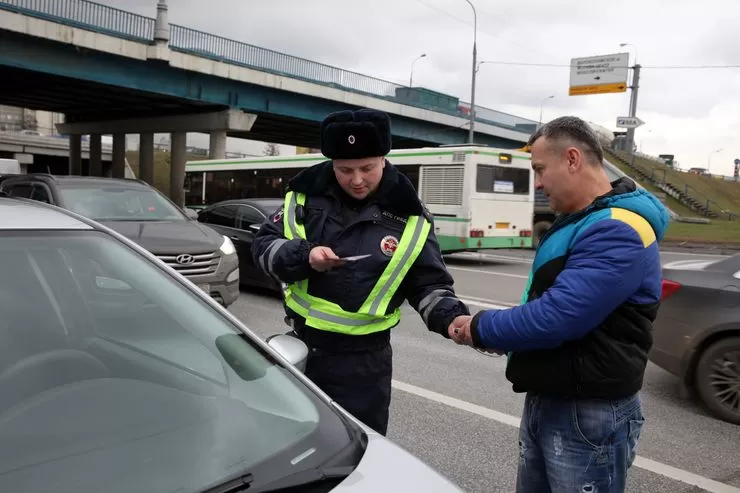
{"x":538,"y":231}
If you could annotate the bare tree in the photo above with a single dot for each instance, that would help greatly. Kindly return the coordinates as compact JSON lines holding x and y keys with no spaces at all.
{"x":271,"y":150}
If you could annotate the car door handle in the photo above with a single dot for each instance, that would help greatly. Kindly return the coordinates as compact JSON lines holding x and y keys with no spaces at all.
{"x":234,"y":237}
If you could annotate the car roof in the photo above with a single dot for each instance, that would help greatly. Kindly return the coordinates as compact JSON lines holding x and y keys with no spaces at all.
{"x":86,"y":181}
{"x":21,"y":214}
{"x":262,"y":203}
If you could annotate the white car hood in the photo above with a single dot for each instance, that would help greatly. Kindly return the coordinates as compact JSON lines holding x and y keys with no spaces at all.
{"x":387,"y":467}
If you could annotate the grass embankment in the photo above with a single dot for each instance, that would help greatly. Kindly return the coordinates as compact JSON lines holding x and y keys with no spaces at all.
{"x":669,"y":201}
{"x":725,"y":196}
{"x":717,"y":232}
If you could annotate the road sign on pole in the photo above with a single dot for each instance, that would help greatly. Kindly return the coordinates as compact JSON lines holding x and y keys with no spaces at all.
{"x":629,"y":122}
{"x":599,"y":74}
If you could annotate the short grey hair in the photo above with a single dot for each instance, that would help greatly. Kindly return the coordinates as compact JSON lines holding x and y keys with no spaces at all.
{"x":574,"y":129}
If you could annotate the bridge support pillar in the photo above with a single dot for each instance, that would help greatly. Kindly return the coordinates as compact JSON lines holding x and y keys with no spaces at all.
{"x":118,"y":169}
{"x":177,"y":167}
{"x":146,"y":157}
{"x":75,"y":154}
{"x":217,"y":144}
{"x":95,"y":167}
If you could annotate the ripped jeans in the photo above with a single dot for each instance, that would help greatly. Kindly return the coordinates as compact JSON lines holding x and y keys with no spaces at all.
{"x":577,"y":446}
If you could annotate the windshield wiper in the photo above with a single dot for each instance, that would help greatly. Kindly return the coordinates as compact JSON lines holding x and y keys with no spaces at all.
{"x":234,"y":485}
{"x":305,"y":479}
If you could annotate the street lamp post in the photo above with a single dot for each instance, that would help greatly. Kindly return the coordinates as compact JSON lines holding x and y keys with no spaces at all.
{"x":474,"y":70}
{"x":709,"y":160}
{"x":542,"y":104}
{"x":411,"y":77}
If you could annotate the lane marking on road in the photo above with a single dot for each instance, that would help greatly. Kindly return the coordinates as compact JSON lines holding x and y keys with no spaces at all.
{"x":507,"y":419}
{"x":489,"y":272}
{"x":484,"y":303}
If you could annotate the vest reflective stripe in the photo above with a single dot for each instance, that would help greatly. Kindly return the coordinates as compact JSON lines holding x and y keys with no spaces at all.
{"x":412,"y":241}
{"x":326,"y":315}
{"x":291,"y":228}
{"x":371,"y":317}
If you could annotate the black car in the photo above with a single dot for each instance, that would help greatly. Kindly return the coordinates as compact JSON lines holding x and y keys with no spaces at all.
{"x":697,"y":331}
{"x":141,"y":213}
{"x":240,"y":219}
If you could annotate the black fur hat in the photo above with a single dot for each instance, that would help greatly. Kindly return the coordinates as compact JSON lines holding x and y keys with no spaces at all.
{"x":356,"y":134}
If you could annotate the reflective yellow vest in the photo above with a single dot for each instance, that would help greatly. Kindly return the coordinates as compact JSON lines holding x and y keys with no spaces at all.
{"x":371,"y":317}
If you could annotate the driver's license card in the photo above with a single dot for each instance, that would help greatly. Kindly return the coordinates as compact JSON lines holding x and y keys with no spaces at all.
{"x":355,"y":258}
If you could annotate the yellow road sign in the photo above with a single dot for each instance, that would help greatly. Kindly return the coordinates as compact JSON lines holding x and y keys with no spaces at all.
{"x":597,"y":89}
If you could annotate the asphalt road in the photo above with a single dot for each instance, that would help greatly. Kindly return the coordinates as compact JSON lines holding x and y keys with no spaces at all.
{"x":454,"y":408}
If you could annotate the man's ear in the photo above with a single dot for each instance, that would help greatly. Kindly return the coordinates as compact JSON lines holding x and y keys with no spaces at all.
{"x":575,"y":159}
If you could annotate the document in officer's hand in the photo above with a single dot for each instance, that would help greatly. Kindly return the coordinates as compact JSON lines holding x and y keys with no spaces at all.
{"x":355,"y":258}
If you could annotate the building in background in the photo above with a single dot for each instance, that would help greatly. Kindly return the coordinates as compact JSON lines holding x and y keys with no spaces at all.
{"x":13,"y":119}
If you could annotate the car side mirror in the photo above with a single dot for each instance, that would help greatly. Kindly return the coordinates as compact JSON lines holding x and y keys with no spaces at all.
{"x":254,"y":228}
{"x":291,"y":348}
{"x":191,"y":214}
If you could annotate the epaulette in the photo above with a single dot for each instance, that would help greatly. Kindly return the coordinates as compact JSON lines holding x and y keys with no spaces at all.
{"x":425,"y":211}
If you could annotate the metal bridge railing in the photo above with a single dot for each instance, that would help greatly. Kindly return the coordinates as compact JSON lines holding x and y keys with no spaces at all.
{"x":213,"y":46}
{"x":101,"y":18}
{"x":86,"y":14}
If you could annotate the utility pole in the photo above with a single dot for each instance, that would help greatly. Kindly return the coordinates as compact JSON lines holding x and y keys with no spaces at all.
{"x":633,"y":106}
{"x":472,"y":83}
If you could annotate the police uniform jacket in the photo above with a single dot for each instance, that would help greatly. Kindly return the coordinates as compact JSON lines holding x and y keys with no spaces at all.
{"x":349,"y":227}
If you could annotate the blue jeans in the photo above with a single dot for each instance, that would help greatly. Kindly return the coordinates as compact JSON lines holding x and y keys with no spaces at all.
{"x":584,"y":445}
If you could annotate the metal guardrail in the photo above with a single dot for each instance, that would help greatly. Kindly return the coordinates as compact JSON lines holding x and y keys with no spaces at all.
{"x":90,"y":15}
{"x":212,"y":46}
{"x":86,"y":14}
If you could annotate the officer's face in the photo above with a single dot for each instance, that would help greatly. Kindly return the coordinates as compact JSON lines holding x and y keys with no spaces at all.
{"x":359,"y":177}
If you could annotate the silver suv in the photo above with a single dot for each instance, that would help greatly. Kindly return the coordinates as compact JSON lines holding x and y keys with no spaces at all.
{"x":116,"y":374}
{"x":141,"y":213}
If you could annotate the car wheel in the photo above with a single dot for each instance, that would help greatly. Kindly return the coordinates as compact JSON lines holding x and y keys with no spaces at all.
{"x":718,"y":379}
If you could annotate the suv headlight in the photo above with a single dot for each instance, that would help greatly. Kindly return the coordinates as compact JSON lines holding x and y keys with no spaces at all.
{"x":227,"y":247}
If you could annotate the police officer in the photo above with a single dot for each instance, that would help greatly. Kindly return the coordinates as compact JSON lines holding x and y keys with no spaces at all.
{"x":356,"y":204}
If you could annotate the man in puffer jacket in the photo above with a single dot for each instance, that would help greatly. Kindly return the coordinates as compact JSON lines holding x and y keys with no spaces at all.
{"x":578,"y":346}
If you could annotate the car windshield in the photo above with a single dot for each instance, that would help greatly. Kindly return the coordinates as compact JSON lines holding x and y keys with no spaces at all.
{"x":119,"y":203}
{"x":116,"y":377}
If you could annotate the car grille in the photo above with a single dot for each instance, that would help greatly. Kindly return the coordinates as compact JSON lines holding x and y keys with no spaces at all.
{"x":196,"y":264}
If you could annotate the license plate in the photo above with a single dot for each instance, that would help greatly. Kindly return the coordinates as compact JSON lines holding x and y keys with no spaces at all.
{"x":205,"y":287}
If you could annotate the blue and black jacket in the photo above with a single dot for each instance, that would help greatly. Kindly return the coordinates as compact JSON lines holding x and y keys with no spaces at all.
{"x":584,"y":329}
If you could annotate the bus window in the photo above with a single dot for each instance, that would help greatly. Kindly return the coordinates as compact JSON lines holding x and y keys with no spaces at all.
{"x":193,"y":186}
{"x":502,"y":179}
{"x":412,"y":173}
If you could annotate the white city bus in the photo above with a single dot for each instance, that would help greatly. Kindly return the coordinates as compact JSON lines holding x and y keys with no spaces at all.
{"x":481,"y":197}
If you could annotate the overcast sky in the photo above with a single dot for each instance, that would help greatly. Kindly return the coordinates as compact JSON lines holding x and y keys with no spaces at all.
{"x":688,"y":112}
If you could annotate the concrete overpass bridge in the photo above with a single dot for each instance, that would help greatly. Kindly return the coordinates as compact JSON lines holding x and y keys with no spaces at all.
{"x":114,"y":72}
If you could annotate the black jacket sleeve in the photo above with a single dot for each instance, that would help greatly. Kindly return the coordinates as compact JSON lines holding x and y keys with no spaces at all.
{"x":284,"y":260}
{"x":428,"y":287}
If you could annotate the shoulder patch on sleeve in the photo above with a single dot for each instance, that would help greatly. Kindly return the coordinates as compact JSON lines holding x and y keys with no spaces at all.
{"x":636,"y":222}
{"x":277,"y":215}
